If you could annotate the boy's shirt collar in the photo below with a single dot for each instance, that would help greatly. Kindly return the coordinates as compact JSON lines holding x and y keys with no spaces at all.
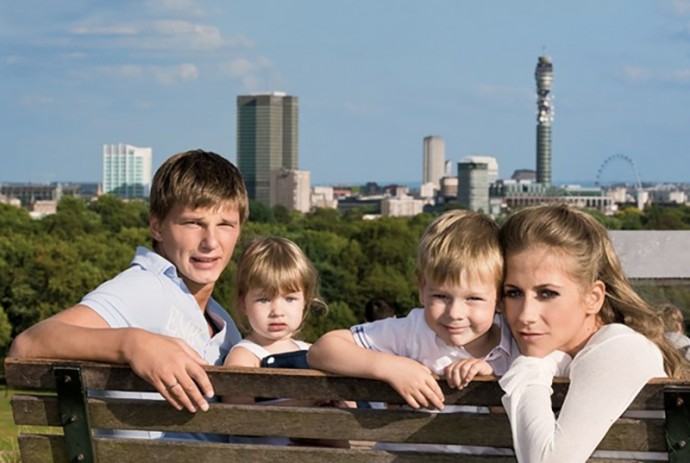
{"x":154,"y":262}
{"x":451,"y":354}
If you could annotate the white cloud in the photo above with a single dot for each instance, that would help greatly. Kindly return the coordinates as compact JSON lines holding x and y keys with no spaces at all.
{"x":636,"y":74}
{"x":681,"y":6}
{"x":186,"y":7}
{"x":163,"y":34}
{"x":643,"y":75}
{"x":163,"y":75}
{"x":256,"y":75}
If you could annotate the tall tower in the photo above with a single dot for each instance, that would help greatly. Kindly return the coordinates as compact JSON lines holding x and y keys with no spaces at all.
{"x":434,"y":162}
{"x":544,"y":77}
{"x":266,"y":139}
{"x":127,"y":171}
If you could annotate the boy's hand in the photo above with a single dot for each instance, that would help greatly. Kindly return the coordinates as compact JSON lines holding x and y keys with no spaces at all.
{"x":415,"y":383}
{"x":459,"y":374}
{"x":172,"y":367}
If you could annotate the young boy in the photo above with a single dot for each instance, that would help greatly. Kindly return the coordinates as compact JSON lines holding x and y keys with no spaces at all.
{"x":158,"y":316}
{"x":457,"y":334}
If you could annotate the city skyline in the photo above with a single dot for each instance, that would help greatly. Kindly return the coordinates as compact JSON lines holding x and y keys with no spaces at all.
{"x":166,"y":73}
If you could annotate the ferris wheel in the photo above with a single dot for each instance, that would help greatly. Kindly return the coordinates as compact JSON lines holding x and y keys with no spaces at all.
{"x":624,"y":158}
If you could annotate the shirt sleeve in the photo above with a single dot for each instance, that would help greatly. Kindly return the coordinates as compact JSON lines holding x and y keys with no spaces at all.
{"x":604,"y":379}
{"x":390,"y":335}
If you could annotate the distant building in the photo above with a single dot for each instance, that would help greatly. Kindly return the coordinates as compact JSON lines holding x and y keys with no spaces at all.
{"x":127,"y":171}
{"x":491,"y":164}
{"x":29,"y":193}
{"x":524,"y":174}
{"x":543,"y":74}
{"x":42,"y":208}
{"x":290,"y":188}
{"x":401,"y":205}
{"x":473,"y":186}
{"x":267,"y":131}
{"x":322,"y":197}
{"x":449,"y":187}
{"x":434,"y":160}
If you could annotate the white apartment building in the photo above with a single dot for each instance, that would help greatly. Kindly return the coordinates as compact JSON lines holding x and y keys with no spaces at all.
{"x":290,"y":188}
{"x":127,"y":170}
{"x":323,"y":197}
{"x":401,"y":205}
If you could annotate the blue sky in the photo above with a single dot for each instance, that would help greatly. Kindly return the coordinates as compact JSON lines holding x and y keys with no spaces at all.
{"x":373,"y":78}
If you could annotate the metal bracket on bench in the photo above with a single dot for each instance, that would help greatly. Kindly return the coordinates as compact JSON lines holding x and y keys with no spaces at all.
{"x":677,"y":407}
{"x":73,"y":414}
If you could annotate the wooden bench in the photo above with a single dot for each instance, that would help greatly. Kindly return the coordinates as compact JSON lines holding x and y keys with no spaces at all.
{"x":52,"y":393}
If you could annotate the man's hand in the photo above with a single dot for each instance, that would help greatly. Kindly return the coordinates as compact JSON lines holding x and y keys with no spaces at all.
{"x":171,"y":366}
{"x":460,"y":373}
{"x":414,"y":382}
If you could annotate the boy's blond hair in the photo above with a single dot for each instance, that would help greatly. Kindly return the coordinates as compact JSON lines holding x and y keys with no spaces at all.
{"x":457,"y":241}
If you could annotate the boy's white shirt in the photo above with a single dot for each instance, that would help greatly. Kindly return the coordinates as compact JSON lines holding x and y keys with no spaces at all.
{"x":412,"y":337}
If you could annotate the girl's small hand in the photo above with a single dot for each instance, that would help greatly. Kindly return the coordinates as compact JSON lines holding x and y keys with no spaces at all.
{"x":459,"y":374}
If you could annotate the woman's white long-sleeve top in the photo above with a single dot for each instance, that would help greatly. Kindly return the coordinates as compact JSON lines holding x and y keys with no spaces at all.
{"x":605,"y":376}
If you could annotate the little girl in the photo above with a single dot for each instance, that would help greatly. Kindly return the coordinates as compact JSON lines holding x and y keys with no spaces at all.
{"x":277,"y":287}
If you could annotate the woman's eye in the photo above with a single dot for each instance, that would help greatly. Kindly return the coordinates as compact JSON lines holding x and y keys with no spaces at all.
{"x":511,"y":293}
{"x":547,"y":294}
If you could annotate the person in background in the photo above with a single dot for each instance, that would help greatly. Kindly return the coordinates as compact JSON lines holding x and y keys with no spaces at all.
{"x":573,"y":313}
{"x":159,"y":315}
{"x":675,"y":328}
{"x":378,"y":309}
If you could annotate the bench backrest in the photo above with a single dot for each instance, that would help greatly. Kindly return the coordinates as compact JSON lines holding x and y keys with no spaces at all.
{"x":59,"y":402}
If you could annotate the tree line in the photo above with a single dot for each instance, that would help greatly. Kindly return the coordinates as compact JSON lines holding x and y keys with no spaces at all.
{"x":48,"y":264}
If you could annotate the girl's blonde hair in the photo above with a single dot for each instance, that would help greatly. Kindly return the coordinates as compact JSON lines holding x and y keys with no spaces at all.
{"x":277,"y":266}
{"x":587,"y":242}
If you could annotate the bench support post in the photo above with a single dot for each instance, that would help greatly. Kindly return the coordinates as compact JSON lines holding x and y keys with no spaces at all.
{"x":74,"y":414}
{"x":677,"y":407}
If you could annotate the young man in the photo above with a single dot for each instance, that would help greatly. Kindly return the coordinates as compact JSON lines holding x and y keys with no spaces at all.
{"x":158,"y":316}
{"x":457,"y":334}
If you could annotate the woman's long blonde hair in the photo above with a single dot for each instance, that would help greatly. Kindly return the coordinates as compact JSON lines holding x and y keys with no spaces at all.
{"x":583,"y":238}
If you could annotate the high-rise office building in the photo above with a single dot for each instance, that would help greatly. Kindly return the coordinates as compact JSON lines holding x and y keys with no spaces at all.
{"x":433,"y":168}
{"x":543,"y":74}
{"x":473,"y":186}
{"x":127,"y":170}
{"x":266,"y":139}
{"x":490,"y":161}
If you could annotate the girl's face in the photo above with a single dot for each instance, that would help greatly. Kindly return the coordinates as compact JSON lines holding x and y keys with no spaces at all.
{"x":545,"y":307}
{"x":273,"y":319}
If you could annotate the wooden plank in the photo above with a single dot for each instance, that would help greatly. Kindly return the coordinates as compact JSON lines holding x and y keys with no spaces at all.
{"x":120,"y":451}
{"x":49,"y":449}
{"x":325,"y":423}
{"x":304,"y":384}
{"x":35,"y":410}
{"x":42,"y":448}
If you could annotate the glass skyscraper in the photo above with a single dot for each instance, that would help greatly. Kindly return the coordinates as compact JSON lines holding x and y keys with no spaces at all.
{"x":267,"y":127}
